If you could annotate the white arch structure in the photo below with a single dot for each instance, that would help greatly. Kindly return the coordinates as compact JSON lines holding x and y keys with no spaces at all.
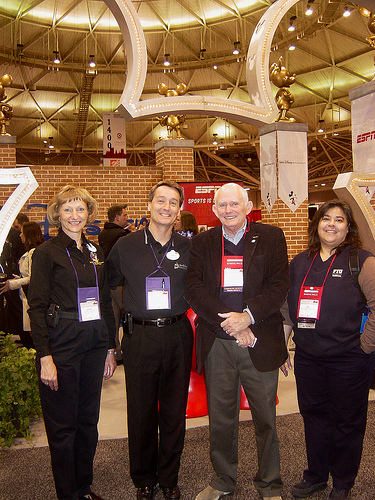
{"x":260,"y":110}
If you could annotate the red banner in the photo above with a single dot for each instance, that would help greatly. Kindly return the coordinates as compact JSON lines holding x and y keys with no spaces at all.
{"x":199,"y":198}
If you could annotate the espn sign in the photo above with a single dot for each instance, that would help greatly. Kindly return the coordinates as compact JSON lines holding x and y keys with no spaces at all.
{"x":367,"y":136}
{"x":203,"y":189}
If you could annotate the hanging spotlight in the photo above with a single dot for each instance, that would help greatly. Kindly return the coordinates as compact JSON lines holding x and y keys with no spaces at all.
{"x":92,"y":63}
{"x":222,"y":146}
{"x":347,"y":11}
{"x":214,"y":142}
{"x":292,"y":47}
{"x":201,"y":54}
{"x":321,"y":129}
{"x":56,"y":57}
{"x":50,"y":145}
{"x":291,"y":25}
{"x":166,"y":60}
{"x":309,"y":9}
{"x":215,"y":66}
{"x":236,"y":48}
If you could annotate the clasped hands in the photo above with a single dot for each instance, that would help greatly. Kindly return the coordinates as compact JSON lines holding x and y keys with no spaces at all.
{"x":237,"y":325}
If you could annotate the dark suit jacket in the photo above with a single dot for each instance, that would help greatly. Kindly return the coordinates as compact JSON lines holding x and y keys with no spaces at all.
{"x":266,"y":284}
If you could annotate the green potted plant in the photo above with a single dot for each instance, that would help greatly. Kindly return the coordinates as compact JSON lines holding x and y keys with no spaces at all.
{"x":19,"y":393}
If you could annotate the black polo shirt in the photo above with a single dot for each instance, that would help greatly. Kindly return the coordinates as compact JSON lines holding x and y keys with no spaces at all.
{"x":133,"y":259}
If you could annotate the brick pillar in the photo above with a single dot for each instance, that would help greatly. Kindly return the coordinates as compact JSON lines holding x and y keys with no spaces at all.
{"x":175,"y":158}
{"x":7,"y":160}
{"x":7,"y":151}
{"x":294,"y":224}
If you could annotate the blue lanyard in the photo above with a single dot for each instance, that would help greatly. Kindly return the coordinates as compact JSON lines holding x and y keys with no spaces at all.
{"x":75,"y":272}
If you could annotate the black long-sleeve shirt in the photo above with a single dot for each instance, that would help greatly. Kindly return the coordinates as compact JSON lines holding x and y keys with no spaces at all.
{"x":53,"y":280}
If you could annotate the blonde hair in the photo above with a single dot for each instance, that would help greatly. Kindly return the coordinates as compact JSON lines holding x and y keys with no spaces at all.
{"x":70,"y":193}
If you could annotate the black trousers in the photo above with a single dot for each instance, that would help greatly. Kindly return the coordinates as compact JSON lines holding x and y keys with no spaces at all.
{"x":333,"y":397}
{"x":71,"y":413}
{"x":157,"y":365}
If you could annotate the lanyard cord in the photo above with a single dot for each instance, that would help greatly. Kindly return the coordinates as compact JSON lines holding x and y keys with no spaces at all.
{"x":75,"y":271}
{"x":326,"y":272}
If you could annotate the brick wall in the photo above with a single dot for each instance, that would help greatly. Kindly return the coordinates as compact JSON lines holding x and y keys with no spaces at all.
{"x":294,"y":224}
{"x":8,"y":155}
{"x":108,"y":185}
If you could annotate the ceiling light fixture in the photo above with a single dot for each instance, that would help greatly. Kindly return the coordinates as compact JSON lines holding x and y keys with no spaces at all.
{"x":215,"y":66}
{"x":347,"y":11}
{"x":309,"y":10}
{"x":236,"y":48}
{"x":214,"y":142}
{"x":201,"y":54}
{"x":292,"y":47}
{"x":56,"y":57}
{"x":92,"y":63}
{"x":50,"y":145}
{"x":321,"y":129}
{"x":291,"y":25}
{"x":166,"y":60}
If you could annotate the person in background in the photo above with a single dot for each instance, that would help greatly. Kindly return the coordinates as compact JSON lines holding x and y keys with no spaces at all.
{"x":73,"y":329}
{"x":20,"y":220}
{"x":31,"y":237}
{"x":186,"y":224}
{"x":10,"y":302}
{"x":237,"y":281}
{"x":157,"y":342}
{"x":117,"y":227}
{"x":332,"y":363}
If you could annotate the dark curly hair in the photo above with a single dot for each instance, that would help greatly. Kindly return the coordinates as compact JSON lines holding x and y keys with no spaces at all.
{"x":352,"y":237}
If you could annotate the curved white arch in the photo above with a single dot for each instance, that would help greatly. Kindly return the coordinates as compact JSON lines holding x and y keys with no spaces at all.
{"x":262,"y":108}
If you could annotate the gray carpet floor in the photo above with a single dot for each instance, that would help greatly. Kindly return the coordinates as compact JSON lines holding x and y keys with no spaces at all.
{"x":25,"y":474}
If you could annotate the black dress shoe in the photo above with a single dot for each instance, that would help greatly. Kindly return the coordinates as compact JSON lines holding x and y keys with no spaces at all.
{"x":337,"y":494}
{"x":91,"y":496}
{"x":304,"y":488}
{"x":145,"y":493}
{"x":172,"y":493}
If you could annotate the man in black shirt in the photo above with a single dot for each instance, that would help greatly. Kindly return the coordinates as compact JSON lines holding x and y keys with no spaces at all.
{"x":157,"y":342}
{"x":116,"y":228}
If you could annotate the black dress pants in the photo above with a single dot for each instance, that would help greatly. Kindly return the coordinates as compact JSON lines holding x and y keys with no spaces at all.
{"x":71,"y":413}
{"x":157,"y":371}
{"x":333,"y":397}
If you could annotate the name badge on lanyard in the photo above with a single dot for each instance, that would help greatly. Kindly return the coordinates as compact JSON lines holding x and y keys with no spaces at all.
{"x":309,"y":301}
{"x":87,"y":297}
{"x":88,"y":303}
{"x":158,"y":293}
{"x":232,"y":273}
{"x":158,"y":288}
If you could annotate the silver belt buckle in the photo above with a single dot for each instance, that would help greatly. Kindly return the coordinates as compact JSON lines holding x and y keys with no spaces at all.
{"x":159,"y":322}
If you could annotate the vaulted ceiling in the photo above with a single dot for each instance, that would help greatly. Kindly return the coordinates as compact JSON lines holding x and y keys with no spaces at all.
{"x":61,"y":104}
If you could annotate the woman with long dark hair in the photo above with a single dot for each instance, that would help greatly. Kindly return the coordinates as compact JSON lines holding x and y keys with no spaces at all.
{"x":331,"y":282}
{"x":31,"y":237}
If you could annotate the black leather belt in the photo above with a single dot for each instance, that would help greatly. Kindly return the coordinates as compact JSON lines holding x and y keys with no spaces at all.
{"x":159,"y":321}
{"x":69,"y":315}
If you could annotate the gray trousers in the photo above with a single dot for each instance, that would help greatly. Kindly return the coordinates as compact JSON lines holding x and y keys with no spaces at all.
{"x":227,"y":367}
